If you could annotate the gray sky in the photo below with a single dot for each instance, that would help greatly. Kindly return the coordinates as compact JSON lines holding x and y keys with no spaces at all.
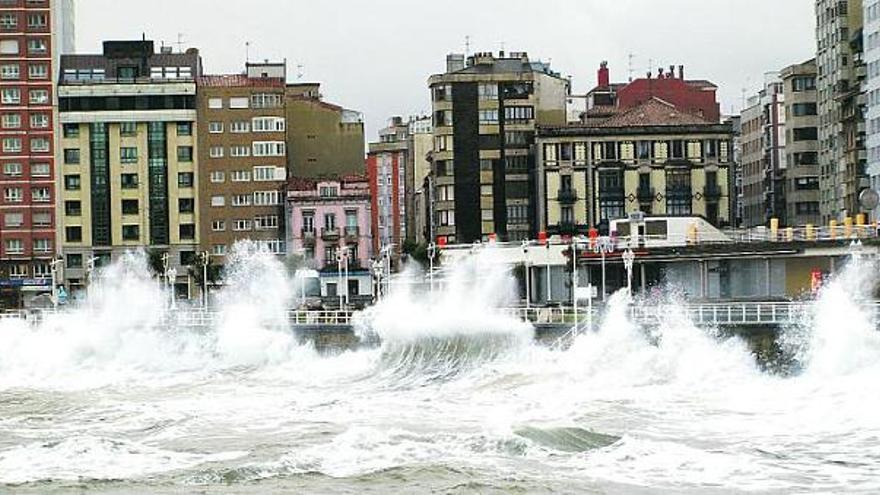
{"x":376,"y":55}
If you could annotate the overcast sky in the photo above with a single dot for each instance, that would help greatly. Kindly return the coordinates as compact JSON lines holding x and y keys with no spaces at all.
{"x":376,"y":55}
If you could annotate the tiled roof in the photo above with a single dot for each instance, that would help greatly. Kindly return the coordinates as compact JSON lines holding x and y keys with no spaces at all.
{"x":654,"y":112}
{"x":240,"y":81}
{"x":308,"y":184}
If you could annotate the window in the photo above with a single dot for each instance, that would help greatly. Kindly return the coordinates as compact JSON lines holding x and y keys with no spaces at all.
{"x":218,"y":176}
{"x":806,"y":134}
{"x":72,"y":208}
{"x":330,"y":221}
{"x":14,"y":246}
{"x":11,"y":145}
{"x":10,"y":71}
{"x":43,"y":245}
{"x":442,"y":118}
{"x":269,"y":148}
{"x":40,"y":145}
{"x":11,"y":121}
{"x":327,"y":191}
{"x":804,"y":83}
{"x":37,"y":46}
{"x":72,"y":182}
{"x":802,"y":109}
{"x":74,"y":261}
{"x":806,"y":158}
{"x":807,"y":208}
{"x":216,"y":152}
{"x":128,"y":129}
{"x":71,"y":156}
{"x":38,"y":71}
{"x":184,"y":153}
{"x":130,"y":207}
{"x":18,"y":271}
{"x":131,"y":232}
{"x":266,"y":222}
{"x":218,"y":225}
{"x":40,"y":170}
{"x":241,"y":200}
{"x":267,"y":100}
{"x":40,"y":195}
{"x":10,"y":96}
{"x":9,"y":47}
{"x":128,"y":155}
{"x":187,"y":231}
{"x":240,"y":126}
{"x":239,"y":151}
{"x":73,"y":234}
{"x":13,"y":219}
{"x":443,"y":143}
{"x":519,"y":114}
{"x":42,"y":219}
{"x":442,"y":92}
{"x":446,"y":218}
{"x":218,"y":249}
{"x":186,"y":205}
{"x":8,"y":22}
{"x":487,"y":91}
{"x":678,"y":192}
{"x":241,"y":175}
{"x":488,"y":117}
{"x":266,"y":198}
{"x":215,"y":103}
{"x":185,"y":179}
{"x":268,"y":124}
{"x":184,"y":129}
{"x":12,"y":169}
{"x":218,"y":200}
{"x":806,"y":183}
{"x":241,"y":225}
{"x":267,"y":173}
{"x":36,"y":21}
{"x":129,"y":181}
{"x":516,"y":138}
{"x":39,"y":121}
{"x":238,"y":103}
{"x":215,"y":127}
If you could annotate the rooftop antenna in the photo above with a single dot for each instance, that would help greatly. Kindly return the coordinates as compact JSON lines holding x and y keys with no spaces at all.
{"x":179,"y":43}
{"x":247,"y":52}
{"x":299,"y":71}
{"x":631,"y":57}
{"x":501,"y":45}
{"x":467,"y":45}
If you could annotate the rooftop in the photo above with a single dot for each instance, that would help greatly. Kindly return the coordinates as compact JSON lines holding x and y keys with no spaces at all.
{"x":239,"y":81}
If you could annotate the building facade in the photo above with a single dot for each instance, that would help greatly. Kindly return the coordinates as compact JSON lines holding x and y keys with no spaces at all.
{"x":325,"y":140}
{"x":840,"y":101}
{"x":329,"y":228}
{"x":242,"y":158}
{"x":417,"y":206}
{"x":485,"y":111}
{"x":801,"y":190}
{"x":652,"y":158}
{"x":387,"y":164}
{"x":32,"y":35}
{"x":763,"y":154}
{"x":128,"y":151}
{"x":871,"y":37}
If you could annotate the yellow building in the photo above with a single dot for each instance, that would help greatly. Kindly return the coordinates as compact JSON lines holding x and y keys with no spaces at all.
{"x":127,"y":158}
{"x":651,"y":158}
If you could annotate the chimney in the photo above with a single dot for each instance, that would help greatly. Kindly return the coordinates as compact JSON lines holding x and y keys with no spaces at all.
{"x":604,"y":78}
{"x":454,"y":62}
{"x":660,"y":73}
{"x":681,"y":72}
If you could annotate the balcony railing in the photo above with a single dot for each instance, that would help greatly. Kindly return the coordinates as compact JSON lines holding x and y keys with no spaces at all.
{"x":646,"y":194}
{"x":567,"y":195}
{"x":308,"y":237}
{"x":330,"y":234}
{"x":352,"y":233}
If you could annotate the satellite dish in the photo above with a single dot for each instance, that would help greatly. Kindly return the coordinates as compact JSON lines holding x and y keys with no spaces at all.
{"x":869,"y":199}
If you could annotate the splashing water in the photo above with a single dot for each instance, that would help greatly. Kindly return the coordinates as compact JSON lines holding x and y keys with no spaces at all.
{"x":456,"y":396}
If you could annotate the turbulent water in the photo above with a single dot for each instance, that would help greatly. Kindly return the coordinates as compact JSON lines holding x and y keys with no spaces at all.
{"x":455,"y":399}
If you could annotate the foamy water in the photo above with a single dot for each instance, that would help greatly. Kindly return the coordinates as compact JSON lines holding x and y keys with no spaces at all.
{"x":457,"y":397}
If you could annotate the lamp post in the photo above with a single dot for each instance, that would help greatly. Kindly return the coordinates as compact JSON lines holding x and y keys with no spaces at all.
{"x":525,"y":250}
{"x":574,"y":279}
{"x":90,"y":268}
{"x":377,"y":276}
{"x":628,"y":259}
{"x":547,"y":252}
{"x":205,"y":260}
{"x":432,"y":251}
{"x":53,"y":266}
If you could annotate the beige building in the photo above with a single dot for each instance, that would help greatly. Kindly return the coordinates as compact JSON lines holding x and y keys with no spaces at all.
{"x":243,"y":158}
{"x":801,"y":144}
{"x":651,"y":158}
{"x":128,"y":157}
{"x":325,"y":140}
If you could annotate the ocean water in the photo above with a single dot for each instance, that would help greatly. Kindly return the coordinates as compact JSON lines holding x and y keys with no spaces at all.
{"x":455,"y":399}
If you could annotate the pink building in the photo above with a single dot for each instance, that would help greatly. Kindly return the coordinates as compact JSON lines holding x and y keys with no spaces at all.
{"x":327,"y":218}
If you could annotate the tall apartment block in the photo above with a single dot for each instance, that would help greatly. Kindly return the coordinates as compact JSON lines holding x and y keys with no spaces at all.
{"x":387,"y":163}
{"x":242,"y":158}
{"x":129,"y":157}
{"x":32,"y":35}
{"x":417,"y":203}
{"x":324,"y":139}
{"x":841,"y":132}
{"x":801,"y":144}
{"x":485,"y":111}
{"x":763,"y":154}
{"x":871,"y":37}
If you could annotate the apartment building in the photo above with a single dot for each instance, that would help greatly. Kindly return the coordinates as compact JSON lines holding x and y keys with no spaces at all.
{"x":840,"y":103}
{"x":32,"y":35}
{"x":128,"y":173}
{"x":485,"y":110}
{"x":763,"y":154}
{"x":242,"y":158}
{"x":801,"y":191}
{"x":417,"y":203}
{"x":387,"y":164}
{"x":653,"y":158}
{"x":871,"y":37}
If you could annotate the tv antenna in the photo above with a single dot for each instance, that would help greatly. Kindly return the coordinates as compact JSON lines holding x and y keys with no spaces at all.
{"x":467,"y":45}
{"x":179,"y":43}
{"x":631,"y":57}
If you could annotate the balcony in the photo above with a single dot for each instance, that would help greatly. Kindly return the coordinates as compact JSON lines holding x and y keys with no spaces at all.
{"x":330,"y":234}
{"x":352,"y":233}
{"x":308,"y":237}
{"x":646,"y":194}
{"x":712,"y":192}
{"x":567,"y":196}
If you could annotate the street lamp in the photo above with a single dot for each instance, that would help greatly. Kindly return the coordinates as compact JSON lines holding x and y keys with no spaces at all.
{"x":547,"y":252}
{"x":525,"y":250}
{"x":90,"y":268}
{"x":342,"y":264}
{"x":628,"y":258}
{"x":205,"y":259}
{"x":432,"y":251}
{"x":53,"y":266}
{"x":377,"y":275}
